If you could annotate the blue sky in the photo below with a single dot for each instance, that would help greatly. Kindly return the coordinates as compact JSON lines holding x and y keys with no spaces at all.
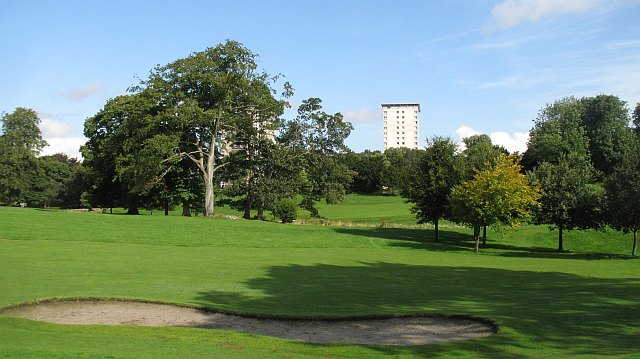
{"x":475,"y":66}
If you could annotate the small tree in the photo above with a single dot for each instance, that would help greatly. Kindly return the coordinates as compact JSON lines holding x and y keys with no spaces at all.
{"x":438,"y":172}
{"x":287,"y":210}
{"x":497,"y":196}
{"x":571,"y":199}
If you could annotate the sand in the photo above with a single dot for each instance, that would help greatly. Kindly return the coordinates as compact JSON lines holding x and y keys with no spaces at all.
{"x":415,"y":330}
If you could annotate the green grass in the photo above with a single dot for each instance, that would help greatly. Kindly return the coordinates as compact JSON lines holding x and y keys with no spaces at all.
{"x":581,"y":303}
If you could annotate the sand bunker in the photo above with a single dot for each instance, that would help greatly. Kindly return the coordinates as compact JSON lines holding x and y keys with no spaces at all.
{"x":416,"y":330}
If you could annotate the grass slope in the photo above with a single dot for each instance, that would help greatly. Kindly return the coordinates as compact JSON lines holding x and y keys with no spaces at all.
{"x":582,"y":303}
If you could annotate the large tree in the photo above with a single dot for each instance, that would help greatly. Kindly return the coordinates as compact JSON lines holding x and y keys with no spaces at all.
{"x":499,"y":195}
{"x":20,"y":143}
{"x":207,"y":99}
{"x":439,"y":170}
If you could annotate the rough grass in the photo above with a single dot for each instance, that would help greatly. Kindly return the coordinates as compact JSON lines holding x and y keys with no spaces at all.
{"x":580,"y":303}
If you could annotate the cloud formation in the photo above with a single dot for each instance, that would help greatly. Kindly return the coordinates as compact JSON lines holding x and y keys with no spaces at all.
{"x":83,"y":92}
{"x":61,"y":137}
{"x":56,"y":128}
{"x":68,"y":145}
{"x":516,"y":142}
{"x":361,"y":116}
{"x":510,"y":13}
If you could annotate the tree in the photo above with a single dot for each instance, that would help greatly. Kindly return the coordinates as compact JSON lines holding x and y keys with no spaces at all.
{"x":399,"y":165}
{"x":571,"y":198}
{"x":497,"y":196}
{"x":606,"y":123}
{"x":318,"y":138}
{"x":206,"y":99}
{"x":636,"y":117}
{"x":20,"y":143}
{"x":558,"y":131}
{"x":480,"y":154}
{"x":368,"y":167}
{"x":438,"y":172}
{"x":623,"y":196}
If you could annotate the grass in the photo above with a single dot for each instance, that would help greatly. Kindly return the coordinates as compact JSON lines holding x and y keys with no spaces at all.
{"x":580,"y":303}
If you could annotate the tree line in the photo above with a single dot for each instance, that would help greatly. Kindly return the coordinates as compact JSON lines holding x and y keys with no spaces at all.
{"x":211,"y":127}
{"x":581,"y":170}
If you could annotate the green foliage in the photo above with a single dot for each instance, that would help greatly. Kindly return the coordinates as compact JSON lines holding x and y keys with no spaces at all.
{"x":623,"y":195}
{"x":500,"y":195}
{"x":399,"y":166}
{"x":439,"y":170}
{"x":571,"y":199}
{"x":318,"y":139}
{"x":606,"y":123}
{"x":24,"y":178}
{"x":287,"y":210}
{"x":368,"y":168}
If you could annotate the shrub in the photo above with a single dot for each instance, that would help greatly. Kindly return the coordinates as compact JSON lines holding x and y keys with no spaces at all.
{"x":287,"y":210}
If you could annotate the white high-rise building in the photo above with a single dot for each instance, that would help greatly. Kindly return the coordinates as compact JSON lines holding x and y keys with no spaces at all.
{"x":401,"y":124}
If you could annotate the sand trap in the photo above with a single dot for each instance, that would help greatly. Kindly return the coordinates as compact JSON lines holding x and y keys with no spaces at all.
{"x":416,"y":330}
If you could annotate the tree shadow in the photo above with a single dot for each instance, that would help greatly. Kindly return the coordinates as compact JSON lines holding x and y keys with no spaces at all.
{"x":555,"y":311}
{"x":449,"y":241}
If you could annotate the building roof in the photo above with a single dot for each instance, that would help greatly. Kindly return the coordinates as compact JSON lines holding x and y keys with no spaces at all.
{"x":402,"y":104}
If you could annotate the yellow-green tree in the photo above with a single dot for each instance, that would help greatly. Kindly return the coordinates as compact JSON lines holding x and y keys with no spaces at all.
{"x":499,"y":195}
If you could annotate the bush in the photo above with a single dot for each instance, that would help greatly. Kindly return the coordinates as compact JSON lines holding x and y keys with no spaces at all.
{"x":286,"y":210}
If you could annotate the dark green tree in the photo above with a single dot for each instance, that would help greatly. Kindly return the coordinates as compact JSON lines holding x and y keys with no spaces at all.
{"x":439,"y":170}
{"x":623,"y":195}
{"x":571,"y":197}
{"x":207,"y":98}
{"x":399,"y":165}
{"x":20,"y":143}
{"x":558,"y":131}
{"x":318,"y":138}
{"x":606,"y":122}
{"x":368,"y":168}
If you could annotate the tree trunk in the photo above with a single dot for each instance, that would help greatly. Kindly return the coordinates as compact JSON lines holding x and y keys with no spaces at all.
{"x":476,"y":231}
{"x":477,"y":240}
{"x":261,"y":212}
{"x":435,"y":223}
{"x":133,"y":210}
{"x":560,"y":239}
{"x":247,"y":208}
{"x":166,"y":207}
{"x":209,"y":200}
{"x":186,"y":209}
{"x":484,"y":236}
{"x":635,"y":242}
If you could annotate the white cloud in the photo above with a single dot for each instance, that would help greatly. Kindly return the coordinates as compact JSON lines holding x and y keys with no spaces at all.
{"x":512,"y":142}
{"x":362,"y":116}
{"x":83,"y":92}
{"x":516,"y":142}
{"x":510,"y":13}
{"x":67,"y":145}
{"x":56,"y":128}
{"x":465,"y":131}
{"x":61,"y":137}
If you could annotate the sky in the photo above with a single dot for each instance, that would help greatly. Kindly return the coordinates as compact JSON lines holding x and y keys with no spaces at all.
{"x":474,"y":66}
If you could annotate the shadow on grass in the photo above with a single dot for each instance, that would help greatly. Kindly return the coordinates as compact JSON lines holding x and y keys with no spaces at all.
{"x":539,"y":313}
{"x":452,"y":241}
{"x":449,"y":241}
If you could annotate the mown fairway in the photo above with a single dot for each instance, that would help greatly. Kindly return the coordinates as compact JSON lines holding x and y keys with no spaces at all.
{"x":582,"y":303}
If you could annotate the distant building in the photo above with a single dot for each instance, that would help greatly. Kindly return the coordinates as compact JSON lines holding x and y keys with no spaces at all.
{"x":401,"y":127}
